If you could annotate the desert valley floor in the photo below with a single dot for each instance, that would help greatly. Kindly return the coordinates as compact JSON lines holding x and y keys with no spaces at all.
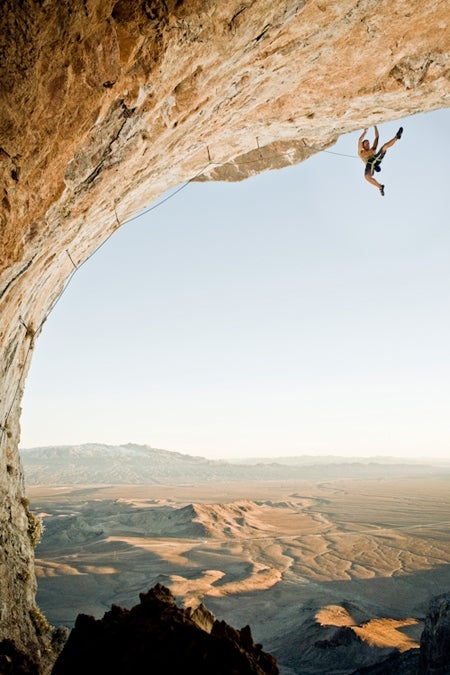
{"x":296,"y":560}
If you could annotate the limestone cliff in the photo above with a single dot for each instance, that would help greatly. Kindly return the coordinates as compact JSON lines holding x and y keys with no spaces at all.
{"x":107,"y":103}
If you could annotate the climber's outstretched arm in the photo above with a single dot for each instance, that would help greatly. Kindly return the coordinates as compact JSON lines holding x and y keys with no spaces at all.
{"x":377,"y":136}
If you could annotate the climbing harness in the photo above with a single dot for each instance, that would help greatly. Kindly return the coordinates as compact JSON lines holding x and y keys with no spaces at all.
{"x":373,"y":163}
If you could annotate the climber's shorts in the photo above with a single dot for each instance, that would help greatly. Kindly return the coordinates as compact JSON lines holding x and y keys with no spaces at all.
{"x":374,"y":161}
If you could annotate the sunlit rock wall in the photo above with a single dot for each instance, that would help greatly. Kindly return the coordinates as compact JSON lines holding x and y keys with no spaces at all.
{"x":105,"y":104}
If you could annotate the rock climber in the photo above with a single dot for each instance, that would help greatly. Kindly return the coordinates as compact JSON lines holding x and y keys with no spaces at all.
{"x":372,"y":158}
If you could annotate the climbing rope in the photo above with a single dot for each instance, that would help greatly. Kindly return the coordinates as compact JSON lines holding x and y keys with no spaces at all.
{"x":341,"y":154}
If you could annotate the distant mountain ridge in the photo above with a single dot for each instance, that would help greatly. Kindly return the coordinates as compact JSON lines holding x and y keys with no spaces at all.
{"x":130,"y":464}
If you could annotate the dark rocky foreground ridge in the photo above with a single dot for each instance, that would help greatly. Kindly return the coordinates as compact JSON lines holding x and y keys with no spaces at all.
{"x":156,"y":636}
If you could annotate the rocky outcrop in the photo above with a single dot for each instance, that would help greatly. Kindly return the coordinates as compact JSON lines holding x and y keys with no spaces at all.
{"x":327,"y":649}
{"x":107,"y":103}
{"x":435,"y":640}
{"x":15,"y":662}
{"x":156,"y":636}
{"x":433,"y":658}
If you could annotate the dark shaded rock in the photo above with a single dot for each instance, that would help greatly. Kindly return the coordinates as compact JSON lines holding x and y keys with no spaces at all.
{"x":15,"y":662}
{"x":395,"y":664}
{"x":435,"y":640}
{"x":342,"y":637}
{"x":59,"y":638}
{"x":156,"y":636}
{"x":326,"y":650}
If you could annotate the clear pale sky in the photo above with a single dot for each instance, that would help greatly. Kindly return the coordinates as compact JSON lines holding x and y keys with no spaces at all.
{"x":297,"y":312}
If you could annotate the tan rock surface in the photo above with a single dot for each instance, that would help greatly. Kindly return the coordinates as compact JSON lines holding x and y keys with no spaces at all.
{"x":105,"y":104}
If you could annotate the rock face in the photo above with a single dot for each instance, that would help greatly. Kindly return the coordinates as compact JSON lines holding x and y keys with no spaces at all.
{"x":435,"y":640}
{"x":396,"y":664}
{"x":158,"y":637}
{"x":107,"y":103}
{"x":433,"y":658}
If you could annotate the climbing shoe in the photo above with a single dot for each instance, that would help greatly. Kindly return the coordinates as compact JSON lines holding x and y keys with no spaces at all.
{"x":382,"y":190}
{"x":399,"y":133}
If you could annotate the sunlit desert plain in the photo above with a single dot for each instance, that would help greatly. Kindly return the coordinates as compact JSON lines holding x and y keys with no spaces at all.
{"x":330,"y":575}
